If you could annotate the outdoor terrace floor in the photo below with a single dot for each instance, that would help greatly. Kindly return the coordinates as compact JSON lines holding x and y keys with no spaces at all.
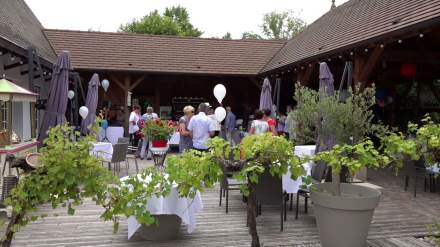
{"x":397,"y":220}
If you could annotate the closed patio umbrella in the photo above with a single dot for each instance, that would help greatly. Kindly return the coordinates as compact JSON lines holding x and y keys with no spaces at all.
{"x":326,"y":86}
{"x":91,"y":104}
{"x":266,"y":95}
{"x":57,"y":101}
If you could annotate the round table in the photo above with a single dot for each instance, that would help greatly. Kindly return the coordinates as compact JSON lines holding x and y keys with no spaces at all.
{"x":102,"y":150}
{"x":291,"y":186}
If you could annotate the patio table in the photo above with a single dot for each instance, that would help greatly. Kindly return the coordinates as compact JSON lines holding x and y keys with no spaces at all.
{"x":113,"y":134}
{"x":185,"y":208}
{"x":291,"y":186}
{"x":102,"y":150}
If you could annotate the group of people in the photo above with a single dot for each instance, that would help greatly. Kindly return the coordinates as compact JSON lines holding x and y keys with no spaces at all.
{"x":196,"y":128}
{"x":136,"y":123}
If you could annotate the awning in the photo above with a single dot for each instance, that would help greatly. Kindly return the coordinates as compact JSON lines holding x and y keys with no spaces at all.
{"x":11,"y":91}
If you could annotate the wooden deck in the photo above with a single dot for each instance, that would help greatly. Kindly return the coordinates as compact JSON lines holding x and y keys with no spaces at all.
{"x":399,"y":218}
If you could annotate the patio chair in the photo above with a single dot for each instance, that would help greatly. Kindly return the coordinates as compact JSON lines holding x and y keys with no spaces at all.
{"x":130,"y":155}
{"x":319,"y":172}
{"x":269,"y":191}
{"x":227,"y":184}
{"x":119,"y":155}
{"x":416,"y":170}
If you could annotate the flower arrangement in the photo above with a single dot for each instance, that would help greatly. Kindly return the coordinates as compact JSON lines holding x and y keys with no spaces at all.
{"x":157,"y":130}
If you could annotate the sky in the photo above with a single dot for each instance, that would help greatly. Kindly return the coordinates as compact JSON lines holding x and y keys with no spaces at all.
{"x":214,"y":17}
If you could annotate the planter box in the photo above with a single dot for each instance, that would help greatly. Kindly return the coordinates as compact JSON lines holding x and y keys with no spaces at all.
{"x":167,"y":227}
{"x":159,"y":143}
{"x":344,"y":221}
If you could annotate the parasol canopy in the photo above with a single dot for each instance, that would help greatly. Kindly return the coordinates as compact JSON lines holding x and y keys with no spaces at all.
{"x":266,"y":95}
{"x":91,"y":103}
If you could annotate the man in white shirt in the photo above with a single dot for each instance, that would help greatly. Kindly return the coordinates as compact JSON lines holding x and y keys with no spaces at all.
{"x":201,"y":128}
{"x":149,"y":116}
{"x":133,"y":123}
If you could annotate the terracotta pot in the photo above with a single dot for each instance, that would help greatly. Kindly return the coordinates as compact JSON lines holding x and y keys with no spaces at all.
{"x":159,"y":143}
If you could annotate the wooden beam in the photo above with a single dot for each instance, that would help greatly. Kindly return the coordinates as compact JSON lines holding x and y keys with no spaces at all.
{"x":304,"y":75}
{"x":359,"y":62}
{"x":125,"y":86}
{"x":370,"y":64}
{"x":117,"y":81}
{"x":136,"y":83}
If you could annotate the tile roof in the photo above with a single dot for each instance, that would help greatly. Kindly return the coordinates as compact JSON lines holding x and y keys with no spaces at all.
{"x":20,"y":26}
{"x":353,"y":23}
{"x":151,"y":53}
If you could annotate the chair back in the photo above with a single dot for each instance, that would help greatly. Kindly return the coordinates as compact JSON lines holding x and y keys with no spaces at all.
{"x":318,"y":172}
{"x":119,"y":152}
{"x":269,"y":190}
{"x":123,"y":140}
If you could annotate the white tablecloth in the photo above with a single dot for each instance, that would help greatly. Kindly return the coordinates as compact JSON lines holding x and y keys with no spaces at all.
{"x":185,"y":208}
{"x":291,"y":186}
{"x":175,"y":139}
{"x":103,"y":150}
{"x":113,"y":133}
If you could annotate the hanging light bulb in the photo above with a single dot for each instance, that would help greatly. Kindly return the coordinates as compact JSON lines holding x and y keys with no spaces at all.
{"x":382,"y":46}
{"x":400,"y":41}
{"x":366,"y":50}
{"x":421,"y":35}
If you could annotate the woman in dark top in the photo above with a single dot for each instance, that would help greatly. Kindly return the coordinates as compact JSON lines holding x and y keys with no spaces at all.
{"x":185,"y":135}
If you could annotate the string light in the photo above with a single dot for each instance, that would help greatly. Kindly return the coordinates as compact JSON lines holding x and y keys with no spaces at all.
{"x":382,"y":46}
{"x":421,"y":35}
{"x":340,"y":56}
{"x":302,"y":67}
{"x":310,"y":65}
{"x":329,"y":59}
{"x":12,"y":58}
{"x":400,"y":41}
{"x":351,"y":53}
{"x":366,"y":50}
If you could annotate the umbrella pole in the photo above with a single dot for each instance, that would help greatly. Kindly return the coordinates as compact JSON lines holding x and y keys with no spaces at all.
{"x":10,"y":120}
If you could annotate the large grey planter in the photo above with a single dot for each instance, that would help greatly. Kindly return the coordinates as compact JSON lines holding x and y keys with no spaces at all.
{"x":344,"y":221}
{"x":167,"y":228}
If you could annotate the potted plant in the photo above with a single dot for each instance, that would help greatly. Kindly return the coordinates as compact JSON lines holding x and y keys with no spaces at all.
{"x":338,"y":123}
{"x":349,"y":207}
{"x":158,"y":132}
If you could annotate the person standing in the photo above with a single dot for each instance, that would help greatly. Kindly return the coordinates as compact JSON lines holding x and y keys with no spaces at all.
{"x":215,"y":122}
{"x":148,"y":116}
{"x":133,"y":124}
{"x":185,"y":141}
{"x":230,"y":122}
{"x":202,"y":128}
{"x":259,"y":126}
{"x":270,"y":121}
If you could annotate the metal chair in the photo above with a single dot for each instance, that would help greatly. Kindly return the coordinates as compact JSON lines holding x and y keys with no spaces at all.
{"x":269,"y":191}
{"x":318,"y":174}
{"x":130,"y":155}
{"x":227,"y":184}
{"x":415,"y":170}
{"x":119,"y":155}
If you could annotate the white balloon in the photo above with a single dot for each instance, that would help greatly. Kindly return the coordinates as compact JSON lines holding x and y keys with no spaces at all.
{"x":105,"y":84}
{"x":70,"y":94}
{"x":83,"y":112}
{"x":220,"y":113}
{"x":219,"y":92}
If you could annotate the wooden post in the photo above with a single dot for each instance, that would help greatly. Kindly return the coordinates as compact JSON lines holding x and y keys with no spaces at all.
{"x":127,"y":110}
{"x":157,"y":97}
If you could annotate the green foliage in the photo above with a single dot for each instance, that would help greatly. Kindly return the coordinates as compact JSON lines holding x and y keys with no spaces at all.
{"x":251,"y":35}
{"x":157,"y":130}
{"x":227,"y":36}
{"x":67,"y":175}
{"x":421,"y":141}
{"x":353,"y":157}
{"x":284,"y":25}
{"x":174,"y":21}
{"x":344,"y":121}
{"x":278,"y":26}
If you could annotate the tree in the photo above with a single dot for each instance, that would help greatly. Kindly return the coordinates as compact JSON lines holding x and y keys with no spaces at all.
{"x":227,"y":36}
{"x":174,"y":21}
{"x":278,"y":25}
{"x":251,"y":35}
{"x":284,"y":25}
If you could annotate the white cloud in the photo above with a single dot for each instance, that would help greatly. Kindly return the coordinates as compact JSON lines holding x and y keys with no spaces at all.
{"x":214,"y":17}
